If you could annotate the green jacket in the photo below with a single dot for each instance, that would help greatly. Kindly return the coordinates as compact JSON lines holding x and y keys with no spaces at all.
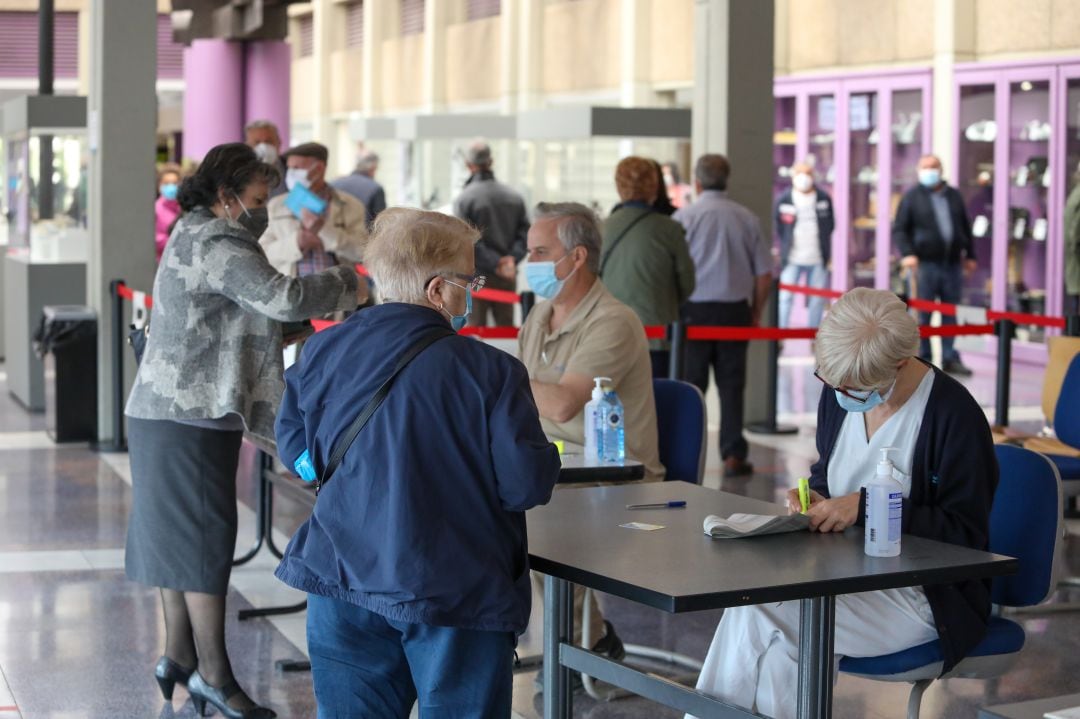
{"x":649,"y":268}
{"x":1072,"y":242}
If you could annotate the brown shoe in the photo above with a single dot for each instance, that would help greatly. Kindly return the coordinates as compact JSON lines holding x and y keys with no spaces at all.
{"x":736,"y":467}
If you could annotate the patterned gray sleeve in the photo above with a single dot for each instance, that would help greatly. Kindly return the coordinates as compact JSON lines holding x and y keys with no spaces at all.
{"x":241,"y":272}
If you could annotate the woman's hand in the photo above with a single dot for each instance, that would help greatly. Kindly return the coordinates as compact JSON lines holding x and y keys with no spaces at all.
{"x":794,"y":504}
{"x":834,"y":515}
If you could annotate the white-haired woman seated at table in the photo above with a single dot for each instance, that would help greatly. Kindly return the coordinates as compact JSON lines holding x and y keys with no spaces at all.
{"x":877,"y":394}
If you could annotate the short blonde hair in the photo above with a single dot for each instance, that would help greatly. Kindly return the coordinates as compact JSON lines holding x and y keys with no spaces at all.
{"x":862,"y":339}
{"x":408,"y":247}
{"x":637,"y":179}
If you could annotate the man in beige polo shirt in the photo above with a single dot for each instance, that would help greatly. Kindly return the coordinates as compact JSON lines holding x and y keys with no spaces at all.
{"x":581,"y":331}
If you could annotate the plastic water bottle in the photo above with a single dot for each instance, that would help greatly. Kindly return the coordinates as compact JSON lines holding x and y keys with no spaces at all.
{"x":612,"y":437}
{"x":884,"y":506}
{"x":592,"y":425}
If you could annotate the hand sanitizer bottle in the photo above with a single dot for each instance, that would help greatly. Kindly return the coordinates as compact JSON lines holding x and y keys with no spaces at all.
{"x":613,"y":439}
{"x":884,"y":505}
{"x":592,"y":424}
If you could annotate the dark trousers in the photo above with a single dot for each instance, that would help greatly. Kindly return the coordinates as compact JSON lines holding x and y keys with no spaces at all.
{"x":661,"y":363}
{"x":728,"y":363}
{"x":365,"y":665}
{"x":502,"y":314}
{"x":942,"y":281}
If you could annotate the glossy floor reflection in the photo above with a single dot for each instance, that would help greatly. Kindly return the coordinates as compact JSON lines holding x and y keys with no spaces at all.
{"x":77,"y":640}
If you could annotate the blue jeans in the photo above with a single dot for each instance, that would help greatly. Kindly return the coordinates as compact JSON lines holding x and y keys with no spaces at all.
{"x":365,"y":665}
{"x":941,"y":281}
{"x":816,"y":276}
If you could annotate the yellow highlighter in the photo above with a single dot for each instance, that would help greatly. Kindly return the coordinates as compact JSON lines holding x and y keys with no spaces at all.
{"x":804,"y":493}
{"x":560,"y":445}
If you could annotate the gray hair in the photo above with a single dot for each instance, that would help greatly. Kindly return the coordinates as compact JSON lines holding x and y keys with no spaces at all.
{"x":409,"y":246}
{"x":261,"y":125}
{"x":578,"y":226}
{"x":712,"y":171}
{"x":368,"y":162}
{"x":862,"y":339}
{"x":479,"y":154}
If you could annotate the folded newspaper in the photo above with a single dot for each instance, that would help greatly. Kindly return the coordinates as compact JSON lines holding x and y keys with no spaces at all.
{"x":753,"y":525}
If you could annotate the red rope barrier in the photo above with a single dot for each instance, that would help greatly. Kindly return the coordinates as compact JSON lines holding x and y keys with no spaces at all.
{"x":1022,"y":318}
{"x":127,"y":293}
{"x":744,"y":334}
{"x":813,"y":291}
{"x":505,"y":297}
{"x":955,"y":330}
{"x":491,"y":333}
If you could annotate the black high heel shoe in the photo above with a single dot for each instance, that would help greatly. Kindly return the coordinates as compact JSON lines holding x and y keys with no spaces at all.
{"x":168,"y":674}
{"x":201,"y":693}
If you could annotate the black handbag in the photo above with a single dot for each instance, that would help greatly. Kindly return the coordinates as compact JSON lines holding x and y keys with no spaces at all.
{"x":346,"y":439}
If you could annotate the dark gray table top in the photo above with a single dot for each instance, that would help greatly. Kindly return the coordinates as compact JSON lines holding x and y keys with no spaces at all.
{"x":1030,"y":710}
{"x":577,"y":537}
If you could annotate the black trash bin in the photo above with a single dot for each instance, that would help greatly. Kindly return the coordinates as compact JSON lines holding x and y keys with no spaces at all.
{"x":66,"y":339}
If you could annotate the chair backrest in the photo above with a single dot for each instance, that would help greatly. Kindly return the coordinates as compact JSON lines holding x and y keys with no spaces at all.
{"x":1026,"y":523}
{"x":1067,"y":411}
{"x":1060,"y":352}
{"x":680,"y":419}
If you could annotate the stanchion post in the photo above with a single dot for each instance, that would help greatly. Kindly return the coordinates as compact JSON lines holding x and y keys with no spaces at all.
{"x":677,"y":340}
{"x":1072,"y":326}
{"x":769,"y":425}
{"x":528,"y":300}
{"x":119,"y":441}
{"x":1005,"y":329}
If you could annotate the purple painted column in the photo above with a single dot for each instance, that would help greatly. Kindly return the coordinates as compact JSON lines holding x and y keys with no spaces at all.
{"x":267,"y":75}
{"x":213,"y":95}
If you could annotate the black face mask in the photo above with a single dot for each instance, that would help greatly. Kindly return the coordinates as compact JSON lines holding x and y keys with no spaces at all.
{"x":254,"y":221}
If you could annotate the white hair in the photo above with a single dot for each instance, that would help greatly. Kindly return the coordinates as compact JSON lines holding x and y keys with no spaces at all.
{"x":863,"y":338}
{"x":408,"y":247}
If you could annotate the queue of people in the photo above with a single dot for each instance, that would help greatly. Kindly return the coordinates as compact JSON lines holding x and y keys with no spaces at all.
{"x":416,"y":563}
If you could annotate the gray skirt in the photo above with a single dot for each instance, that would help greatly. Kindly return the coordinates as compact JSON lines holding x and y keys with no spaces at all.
{"x":182,"y":529}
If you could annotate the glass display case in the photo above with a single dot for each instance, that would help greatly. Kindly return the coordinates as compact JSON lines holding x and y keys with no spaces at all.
{"x":1071,"y":169}
{"x":46,"y":160}
{"x":784,"y":142}
{"x":821,"y":150}
{"x":863,"y":138}
{"x":974,"y":178}
{"x":570,"y":153}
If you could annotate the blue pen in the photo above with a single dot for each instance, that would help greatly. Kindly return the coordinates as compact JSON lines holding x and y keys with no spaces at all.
{"x":676,"y":504}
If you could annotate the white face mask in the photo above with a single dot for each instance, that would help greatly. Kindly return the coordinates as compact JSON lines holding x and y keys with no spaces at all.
{"x":266,"y":152}
{"x":802,"y":182}
{"x":296,"y":176}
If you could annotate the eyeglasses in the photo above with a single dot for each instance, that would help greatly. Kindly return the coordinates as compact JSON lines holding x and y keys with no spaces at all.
{"x":472,"y":283}
{"x":847,"y":393}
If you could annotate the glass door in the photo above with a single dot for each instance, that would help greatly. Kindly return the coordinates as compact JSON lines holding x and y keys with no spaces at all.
{"x":1071,"y":186}
{"x":821,"y":149}
{"x":864,"y":136}
{"x":906,"y":135}
{"x":785,"y":138}
{"x":975,"y":177}
{"x":1029,"y":182}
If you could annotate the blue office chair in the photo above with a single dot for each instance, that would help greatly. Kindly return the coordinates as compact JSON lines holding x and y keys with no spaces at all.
{"x":1067,"y":427}
{"x":680,"y":417}
{"x":1025,"y":523}
{"x":683,"y":433}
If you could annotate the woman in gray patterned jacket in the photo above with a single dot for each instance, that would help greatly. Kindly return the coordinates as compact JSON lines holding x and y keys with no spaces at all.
{"x":212,"y":367}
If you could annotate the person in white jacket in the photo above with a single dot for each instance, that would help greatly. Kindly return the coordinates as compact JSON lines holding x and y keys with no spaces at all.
{"x":311,"y":243}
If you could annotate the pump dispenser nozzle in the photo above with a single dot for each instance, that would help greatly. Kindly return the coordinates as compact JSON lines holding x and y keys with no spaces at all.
{"x":885,"y":466}
{"x":598,"y":390}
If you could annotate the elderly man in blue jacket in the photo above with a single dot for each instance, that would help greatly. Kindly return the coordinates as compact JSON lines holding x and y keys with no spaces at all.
{"x":415,"y":558}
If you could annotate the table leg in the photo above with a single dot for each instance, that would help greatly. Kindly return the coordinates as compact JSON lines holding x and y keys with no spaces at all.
{"x":558,"y":629}
{"x":262,"y":490}
{"x":816,"y":633}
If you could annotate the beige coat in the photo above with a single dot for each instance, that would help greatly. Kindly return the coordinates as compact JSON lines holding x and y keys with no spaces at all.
{"x":344,"y":233}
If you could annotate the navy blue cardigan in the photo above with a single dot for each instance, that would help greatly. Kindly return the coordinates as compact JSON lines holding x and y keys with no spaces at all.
{"x":424,"y":521}
{"x":954,"y":474}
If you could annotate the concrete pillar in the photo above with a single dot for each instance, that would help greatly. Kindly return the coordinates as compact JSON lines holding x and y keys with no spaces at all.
{"x":954,"y":41}
{"x":213,"y":95}
{"x":635,"y":88}
{"x":530,"y":43}
{"x":509,"y":54}
{"x":122,"y":122}
{"x":375,"y":33}
{"x":436,"y":15}
{"x":326,"y":27}
{"x":267,"y":80}
{"x":733,"y":115}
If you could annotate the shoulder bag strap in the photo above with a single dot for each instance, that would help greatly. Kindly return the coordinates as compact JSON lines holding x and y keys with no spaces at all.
{"x":617,"y":240}
{"x":346,"y":439}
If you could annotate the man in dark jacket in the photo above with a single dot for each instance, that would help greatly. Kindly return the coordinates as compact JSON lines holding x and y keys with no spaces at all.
{"x":933,"y":233}
{"x":499,"y":213}
{"x":804,"y":222}
{"x":361,"y":184}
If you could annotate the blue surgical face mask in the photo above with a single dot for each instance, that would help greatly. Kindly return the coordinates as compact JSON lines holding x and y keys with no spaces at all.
{"x":542,"y":279}
{"x":929,"y":177}
{"x":169,"y":190}
{"x":458,"y":321}
{"x":873,"y":399}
